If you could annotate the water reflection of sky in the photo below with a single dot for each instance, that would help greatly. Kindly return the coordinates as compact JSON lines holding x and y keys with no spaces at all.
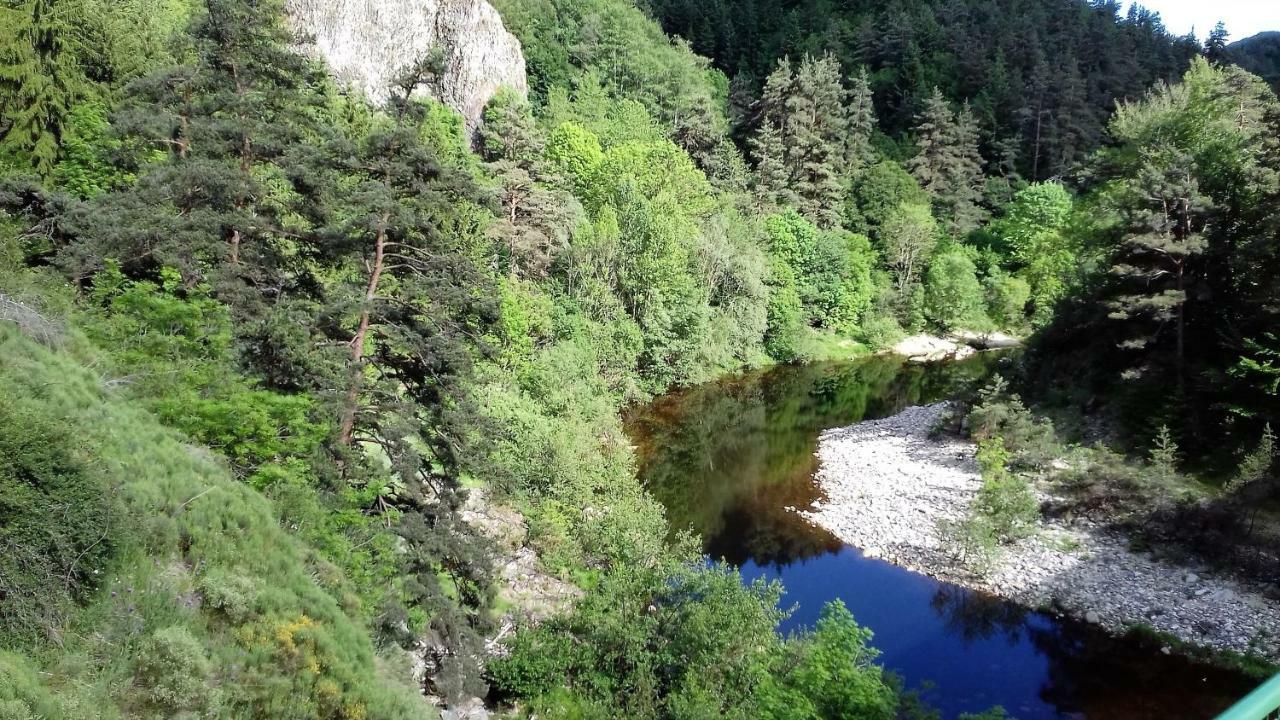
{"x":728,"y":459}
{"x":973,"y":661}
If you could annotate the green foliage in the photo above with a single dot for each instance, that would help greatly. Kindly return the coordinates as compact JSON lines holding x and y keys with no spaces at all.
{"x":39,"y":82}
{"x":877,"y":195}
{"x":172,"y":348}
{"x":907,"y":239}
{"x":173,"y":675}
{"x":954,"y":298}
{"x":1007,"y":298}
{"x":1000,"y":414}
{"x":1256,"y":464}
{"x":829,"y":271}
{"x":1047,"y":109}
{"x":948,"y":165}
{"x":61,"y":520}
{"x":190,"y":520}
{"x":804,"y":139}
{"x":1164,"y":454}
{"x":832,"y":673}
{"x":696,"y":644}
{"x":1034,"y":227}
{"x":1005,"y":501}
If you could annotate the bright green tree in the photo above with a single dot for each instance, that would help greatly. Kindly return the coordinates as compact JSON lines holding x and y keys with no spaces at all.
{"x":1034,"y":227}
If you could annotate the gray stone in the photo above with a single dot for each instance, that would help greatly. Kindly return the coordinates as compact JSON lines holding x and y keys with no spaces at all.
{"x":368,"y":42}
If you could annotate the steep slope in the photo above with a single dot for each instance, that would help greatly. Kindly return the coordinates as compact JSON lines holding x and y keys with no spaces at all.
{"x":200,"y":605}
{"x":366,"y":42}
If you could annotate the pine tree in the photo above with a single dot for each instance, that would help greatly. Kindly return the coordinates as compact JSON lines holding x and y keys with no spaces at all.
{"x":964,"y":177}
{"x":39,"y":81}
{"x":226,"y":121}
{"x":801,"y":142}
{"x":1215,"y":48}
{"x":934,"y":130}
{"x":861,"y":123}
{"x":536,"y":221}
{"x":1157,"y":261}
{"x":768,"y":144}
{"x":948,"y":165}
{"x":818,"y":123}
{"x":394,"y":193}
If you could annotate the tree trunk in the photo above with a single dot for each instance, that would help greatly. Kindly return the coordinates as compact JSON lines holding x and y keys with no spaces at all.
{"x":348,"y":422}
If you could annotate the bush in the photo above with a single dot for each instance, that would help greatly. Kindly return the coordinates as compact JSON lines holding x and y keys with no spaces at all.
{"x":1005,"y":510}
{"x":174,"y":674}
{"x":1005,"y":501}
{"x":1030,"y":440}
{"x":59,"y":520}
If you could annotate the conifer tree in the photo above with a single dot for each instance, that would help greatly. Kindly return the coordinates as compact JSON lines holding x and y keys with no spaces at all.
{"x":536,"y":220}
{"x":39,"y":81}
{"x":934,"y":129}
{"x":964,"y":177}
{"x":818,"y":123}
{"x":768,"y":144}
{"x":948,"y":165}
{"x":1157,"y":261}
{"x":1215,"y":48}
{"x":862,"y":123}
{"x":801,"y":142}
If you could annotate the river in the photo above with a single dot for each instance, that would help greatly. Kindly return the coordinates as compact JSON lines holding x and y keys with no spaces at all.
{"x":729,"y":459}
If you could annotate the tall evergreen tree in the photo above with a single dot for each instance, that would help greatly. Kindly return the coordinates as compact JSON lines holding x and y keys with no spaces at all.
{"x":226,"y":121}
{"x":1157,"y":262}
{"x":934,"y":130}
{"x":948,"y":165}
{"x":768,"y":144}
{"x":801,"y":144}
{"x":39,"y":81}
{"x":862,"y":123}
{"x":1215,"y":47}
{"x":818,"y":123}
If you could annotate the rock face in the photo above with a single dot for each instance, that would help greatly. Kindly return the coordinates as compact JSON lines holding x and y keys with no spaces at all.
{"x":367,"y":42}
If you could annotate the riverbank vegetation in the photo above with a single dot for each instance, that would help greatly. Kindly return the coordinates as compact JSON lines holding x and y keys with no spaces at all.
{"x":259,"y":336}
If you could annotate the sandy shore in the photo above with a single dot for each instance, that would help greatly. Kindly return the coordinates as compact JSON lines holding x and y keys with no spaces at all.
{"x":888,"y":487}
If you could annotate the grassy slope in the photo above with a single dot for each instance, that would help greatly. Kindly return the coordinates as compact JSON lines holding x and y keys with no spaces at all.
{"x":273,"y":628}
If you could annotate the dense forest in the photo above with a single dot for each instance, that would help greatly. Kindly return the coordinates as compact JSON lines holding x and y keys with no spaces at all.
{"x":261,"y":339}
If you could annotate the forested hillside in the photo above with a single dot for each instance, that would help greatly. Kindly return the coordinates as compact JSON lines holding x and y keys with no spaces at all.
{"x":1259,"y":55}
{"x":1041,"y":77}
{"x":261,"y":338}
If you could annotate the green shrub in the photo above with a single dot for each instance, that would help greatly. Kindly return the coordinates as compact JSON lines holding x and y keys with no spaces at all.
{"x":60,"y":521}
{"x":174,"y":675}
{"x":1007,"y":298}
{"x":1030,"y":440}
{"x":1006,"y":500}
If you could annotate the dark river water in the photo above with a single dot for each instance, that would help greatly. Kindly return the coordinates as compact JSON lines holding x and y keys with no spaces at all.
{"x":728,"y":459}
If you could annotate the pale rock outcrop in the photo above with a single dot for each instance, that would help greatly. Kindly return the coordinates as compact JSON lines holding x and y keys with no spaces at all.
{"x":367,"y":42}
{"x":927,"y":348}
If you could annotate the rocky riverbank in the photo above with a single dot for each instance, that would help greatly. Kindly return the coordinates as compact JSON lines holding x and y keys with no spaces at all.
{"x":958,"y":345}
{"x":890,"y":489}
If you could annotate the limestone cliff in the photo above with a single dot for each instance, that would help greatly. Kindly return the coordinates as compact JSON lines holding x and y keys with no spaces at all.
{"x":366,"y":42}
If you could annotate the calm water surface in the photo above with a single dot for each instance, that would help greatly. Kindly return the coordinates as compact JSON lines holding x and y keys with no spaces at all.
{"x":728,"y":459}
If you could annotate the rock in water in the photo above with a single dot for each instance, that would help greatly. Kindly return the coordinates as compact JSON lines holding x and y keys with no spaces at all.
{"x":367,"y":42}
